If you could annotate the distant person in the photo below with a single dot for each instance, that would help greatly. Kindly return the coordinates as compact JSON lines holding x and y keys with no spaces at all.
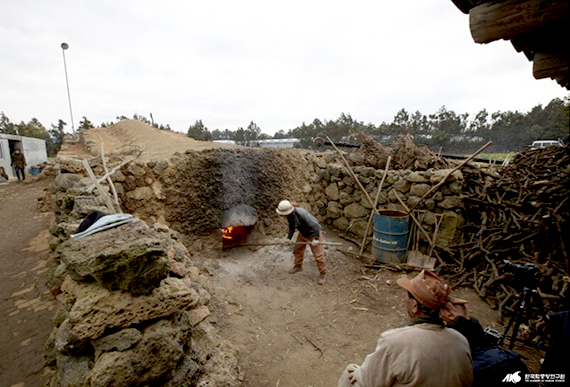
{"x":491,"y":364}
{"x":422,"y":352}
{"x":19,"y":164}
{"x":309,"y":231}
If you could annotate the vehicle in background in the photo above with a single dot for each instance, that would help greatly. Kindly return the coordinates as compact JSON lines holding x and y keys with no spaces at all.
{"x":545,"y":143}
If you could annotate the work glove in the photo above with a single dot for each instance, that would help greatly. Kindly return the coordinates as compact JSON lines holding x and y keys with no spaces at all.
{"x":315,"y":242}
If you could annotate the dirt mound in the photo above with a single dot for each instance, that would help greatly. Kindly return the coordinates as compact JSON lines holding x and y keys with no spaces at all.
{"x":128,"y":136}
{"x":405,"y":154}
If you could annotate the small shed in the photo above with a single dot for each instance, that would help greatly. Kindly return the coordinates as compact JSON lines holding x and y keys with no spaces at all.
{"x":34,"y":149}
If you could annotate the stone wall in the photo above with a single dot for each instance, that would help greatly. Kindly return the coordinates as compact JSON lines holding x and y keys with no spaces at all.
{"x":336,"y":198}
{"x":133,"y":306}
{"x":175,"y":191}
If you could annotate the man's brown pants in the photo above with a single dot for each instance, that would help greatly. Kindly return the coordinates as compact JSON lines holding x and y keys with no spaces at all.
{"x":318,"y":253}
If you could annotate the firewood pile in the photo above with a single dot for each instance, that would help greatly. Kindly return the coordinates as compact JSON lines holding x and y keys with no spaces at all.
{"x":520,"y":217}
{"x":406,"y":154}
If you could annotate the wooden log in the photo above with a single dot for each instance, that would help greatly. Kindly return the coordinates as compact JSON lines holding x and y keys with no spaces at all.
{"x":504,"y":20}
{"x":109,"y":181}
{"x":550,"y":65}
{"x":375,"y":205}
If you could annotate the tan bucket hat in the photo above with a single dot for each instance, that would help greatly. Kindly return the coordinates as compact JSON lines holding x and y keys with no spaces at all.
{"x":285,"y":207}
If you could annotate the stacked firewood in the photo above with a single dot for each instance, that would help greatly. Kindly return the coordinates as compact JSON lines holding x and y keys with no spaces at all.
{"x":516,"y":231}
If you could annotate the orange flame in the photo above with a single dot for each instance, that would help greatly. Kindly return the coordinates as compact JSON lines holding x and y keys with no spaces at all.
{"x":227,"y":232}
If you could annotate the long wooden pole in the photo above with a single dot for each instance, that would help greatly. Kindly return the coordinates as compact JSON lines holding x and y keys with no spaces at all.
{"x":109,"y":180}
{"x":353,"y":175}
{"x":450,"y":172}
{"x":101,"y":179}
{"x":99,"y":188}
{"x":375,"y":205}
{"x":285,"y":243}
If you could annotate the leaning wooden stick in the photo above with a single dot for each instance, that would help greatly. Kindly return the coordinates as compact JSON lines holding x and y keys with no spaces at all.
{"x":450,"y":172}
{"x":285,"y":243}
{"x":375,"y":205}
{"x":109,"y":181}
{"x":416,"y":221}
{"x":352,"y":174}
{"x":99,"y":188}
{"x":115,"y":169}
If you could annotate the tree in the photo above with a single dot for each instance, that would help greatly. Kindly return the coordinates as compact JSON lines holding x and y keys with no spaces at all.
{"x":56,"y":138}
{"x":84,"y":125}
{"x":199,"y":132}
{"x":6,"y":126}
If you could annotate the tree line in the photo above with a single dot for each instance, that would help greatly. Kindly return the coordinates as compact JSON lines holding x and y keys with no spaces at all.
{"x":444,"y":129}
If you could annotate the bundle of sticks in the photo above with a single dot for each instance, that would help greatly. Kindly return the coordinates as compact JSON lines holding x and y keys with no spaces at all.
{"x":520,"y":216}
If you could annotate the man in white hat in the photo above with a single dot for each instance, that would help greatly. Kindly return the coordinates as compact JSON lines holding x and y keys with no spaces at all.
{"x":309,"y":231}
{"x":423,"y":352}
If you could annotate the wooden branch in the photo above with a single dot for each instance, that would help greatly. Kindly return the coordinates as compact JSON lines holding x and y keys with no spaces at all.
{"x":115,"y":169}
{"x":416,"y":221}
{"x":109,"y":181}
{"x":99,"y":188}
{"x":435,"y":187}
{"x":353,"y":175}
{"x":375,"y":205}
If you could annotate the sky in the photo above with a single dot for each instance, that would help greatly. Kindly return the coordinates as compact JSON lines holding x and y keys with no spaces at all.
{"x":229,"y":62}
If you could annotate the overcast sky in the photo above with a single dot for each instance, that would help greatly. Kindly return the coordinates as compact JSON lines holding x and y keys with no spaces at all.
{"x":278,"y":64}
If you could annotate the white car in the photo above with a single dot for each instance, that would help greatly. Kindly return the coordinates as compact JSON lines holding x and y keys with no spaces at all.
{"x":545,"y":143}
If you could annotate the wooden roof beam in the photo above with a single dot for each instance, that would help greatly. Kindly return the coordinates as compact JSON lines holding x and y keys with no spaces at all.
{"x":549,"y":65}
{"x":503,"y":20}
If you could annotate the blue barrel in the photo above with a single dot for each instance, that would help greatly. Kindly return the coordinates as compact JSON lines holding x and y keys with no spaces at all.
{"x":390,"y":236}
{"x":35,"y":171}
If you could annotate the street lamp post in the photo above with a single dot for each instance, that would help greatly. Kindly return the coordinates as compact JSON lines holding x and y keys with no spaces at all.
{"x":65,"y":46}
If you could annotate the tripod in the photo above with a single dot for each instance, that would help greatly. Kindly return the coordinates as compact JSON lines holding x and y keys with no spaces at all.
{"x":522,"y":308}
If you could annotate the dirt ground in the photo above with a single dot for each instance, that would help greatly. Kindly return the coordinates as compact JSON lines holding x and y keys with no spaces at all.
{"x":289,"y":330}
{"x":26,"y":304}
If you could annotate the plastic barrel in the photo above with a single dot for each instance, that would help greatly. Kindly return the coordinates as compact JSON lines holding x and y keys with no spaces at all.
{"x":35,"y":171}
{"x":390,"y":236}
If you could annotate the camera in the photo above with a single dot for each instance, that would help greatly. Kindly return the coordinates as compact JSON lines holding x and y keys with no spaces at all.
{"x":525,"y":273}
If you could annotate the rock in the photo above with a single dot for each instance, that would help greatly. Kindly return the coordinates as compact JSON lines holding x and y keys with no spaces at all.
{"x":73,"y":371}
{"x":199,"y":314}
{"x":97,"y":309}
{"x":65,"y":181}
{"x":336,"y":170}
{"x":221,"y":369}
{"x":120,"y":341}
{"x":450,"y":202}
{"x":417,"y":177}
{"x":131,"y":257}
{"x":332,"y":192}
{"x":359,"y":228}
{"x":184,"y":373}
{"x":152,"y":359}
{"x":419,"y":189}
{"x":70,"y":165}
{"x":141,"y":193}
{"x":430,"y":204}
{"x":177,"y":268}
{"x":402,"y":185}
{"x":355,"y":210}
{"x":449,"y":228}
{"x":341,"y":223}
{"x":439,"y":174}
{"x":333,"y":210}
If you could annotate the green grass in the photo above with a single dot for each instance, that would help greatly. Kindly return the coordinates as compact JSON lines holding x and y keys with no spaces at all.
{"x":497,"y":156}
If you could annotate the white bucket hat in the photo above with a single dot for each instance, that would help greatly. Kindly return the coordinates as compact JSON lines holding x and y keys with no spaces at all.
{"x":285,"y":207}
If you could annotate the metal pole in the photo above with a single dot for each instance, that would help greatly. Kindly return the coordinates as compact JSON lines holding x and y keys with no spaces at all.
{"x":65,"y":46}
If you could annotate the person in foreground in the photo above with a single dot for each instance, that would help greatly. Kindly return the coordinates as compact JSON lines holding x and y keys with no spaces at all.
{"x":309,"y":231}
{"x":423,"y":352}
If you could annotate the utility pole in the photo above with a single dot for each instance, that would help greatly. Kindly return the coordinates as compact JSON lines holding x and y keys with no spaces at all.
{"x":65,"y":46}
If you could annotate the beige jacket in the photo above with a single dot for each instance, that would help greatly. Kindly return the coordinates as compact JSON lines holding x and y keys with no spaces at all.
{"x":417,"y":355}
